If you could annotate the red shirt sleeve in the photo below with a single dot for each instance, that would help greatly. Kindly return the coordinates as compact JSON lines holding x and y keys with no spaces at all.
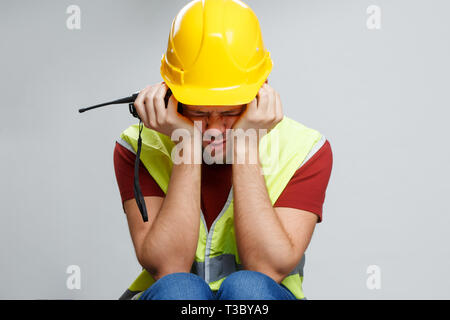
{"x":306,"y":189}
{"x":124,"y":169}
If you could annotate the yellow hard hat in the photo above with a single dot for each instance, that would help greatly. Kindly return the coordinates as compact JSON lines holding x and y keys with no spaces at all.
{"x":215,"y":54}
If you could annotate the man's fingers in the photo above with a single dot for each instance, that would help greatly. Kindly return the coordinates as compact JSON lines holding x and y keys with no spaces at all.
{"x":159,"y":103}
{"x":273,"y":103}
{"x":279,"y":108}
{"x":252,"y":107}
{"x":271,"y":106}
{"x":150,"y":106}
{"x":172,"y":106}
{"x":263,"y":100}
{"x":173,"y":117}
{"x":139,"y":105}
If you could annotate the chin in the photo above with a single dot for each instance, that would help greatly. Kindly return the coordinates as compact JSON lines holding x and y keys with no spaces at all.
{"x":218,"y":156}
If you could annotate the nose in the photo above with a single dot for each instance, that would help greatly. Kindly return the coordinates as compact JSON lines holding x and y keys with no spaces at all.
{"x":215,"y":126}
{"x":216,"y":121}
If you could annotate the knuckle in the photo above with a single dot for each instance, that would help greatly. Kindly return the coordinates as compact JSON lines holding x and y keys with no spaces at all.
{"x":147,"y":96}
{"x":148,"y":101}
{"x":155,"y":99}
{"x":270,"y":121}
{"x":138,"y":105}
{"x":140,"y":113}
{"x":273,"y":118}
{"x":257,"y":118}
{"x":160,"y":93}
{"x":263,"y":94}
{"x":170,"y":121}
{"x":159,"y":121}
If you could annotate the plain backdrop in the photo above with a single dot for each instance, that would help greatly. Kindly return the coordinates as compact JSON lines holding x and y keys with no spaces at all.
{"x":381,"y":97}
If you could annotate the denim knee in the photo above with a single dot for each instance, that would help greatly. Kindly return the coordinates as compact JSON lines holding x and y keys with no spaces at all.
{"x":252,"y":285}
{"x":179,"y":286}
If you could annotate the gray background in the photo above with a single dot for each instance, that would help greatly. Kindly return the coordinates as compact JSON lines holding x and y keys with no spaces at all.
{"x":379,"y":96}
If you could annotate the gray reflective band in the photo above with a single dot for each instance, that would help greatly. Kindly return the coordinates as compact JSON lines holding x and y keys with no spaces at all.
{"x":225,"y":264}
{"x":125,"y":144}
{"x":198,"y":268}
{"x":222,"y":266}
{"x":129,"y":295}
{"x":319,"y":144}
{"x":219,"y":267}
{"x":299,"y":268}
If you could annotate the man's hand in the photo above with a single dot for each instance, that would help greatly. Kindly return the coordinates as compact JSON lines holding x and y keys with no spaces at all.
{"x":264,"y":112}
{"x":152,"y":110}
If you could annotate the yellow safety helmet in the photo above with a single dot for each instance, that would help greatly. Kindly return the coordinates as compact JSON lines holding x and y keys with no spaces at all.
{"x":215,"y":54}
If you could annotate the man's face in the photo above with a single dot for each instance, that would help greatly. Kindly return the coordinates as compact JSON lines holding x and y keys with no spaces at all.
{"x":215,"y":120}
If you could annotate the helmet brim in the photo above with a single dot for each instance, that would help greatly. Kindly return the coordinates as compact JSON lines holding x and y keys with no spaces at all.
{"x":203,"y":96}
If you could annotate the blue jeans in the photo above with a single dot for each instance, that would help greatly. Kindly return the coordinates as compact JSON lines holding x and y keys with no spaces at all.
{"x":240,"y":285}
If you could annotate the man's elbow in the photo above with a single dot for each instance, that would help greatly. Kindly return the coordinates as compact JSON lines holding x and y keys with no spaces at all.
{"x":158,"y":270}
{"x":275,"y":273}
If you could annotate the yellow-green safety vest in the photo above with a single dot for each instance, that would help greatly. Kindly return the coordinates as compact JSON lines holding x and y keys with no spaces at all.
{"x":282,"y":151}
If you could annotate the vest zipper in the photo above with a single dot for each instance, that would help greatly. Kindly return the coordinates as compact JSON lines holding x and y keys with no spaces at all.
{"x":209,"y":233}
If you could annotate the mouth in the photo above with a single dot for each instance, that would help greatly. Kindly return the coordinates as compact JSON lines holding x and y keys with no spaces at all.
{"x":215,"y":143}
{"x":218,"y":143}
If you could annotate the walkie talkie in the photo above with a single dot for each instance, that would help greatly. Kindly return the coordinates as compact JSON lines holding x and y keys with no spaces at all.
{"x":130,"y":100}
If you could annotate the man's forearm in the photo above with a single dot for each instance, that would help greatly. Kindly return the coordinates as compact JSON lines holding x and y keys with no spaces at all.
{"x":171,"y":242}
{"x":261,"y":239}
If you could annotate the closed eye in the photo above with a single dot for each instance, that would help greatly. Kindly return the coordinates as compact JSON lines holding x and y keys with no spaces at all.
{"x":232,"y":113}
{"x":197,"y":114}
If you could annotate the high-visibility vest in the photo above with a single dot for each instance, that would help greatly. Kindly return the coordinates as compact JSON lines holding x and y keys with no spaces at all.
{"x":282,"y":151}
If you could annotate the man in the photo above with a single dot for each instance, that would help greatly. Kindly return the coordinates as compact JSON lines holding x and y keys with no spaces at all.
{"x":220,"y":231}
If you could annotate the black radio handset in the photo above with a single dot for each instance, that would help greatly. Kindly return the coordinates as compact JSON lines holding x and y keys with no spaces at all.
{"x":166,"y":103}
{"x":130,"y":100}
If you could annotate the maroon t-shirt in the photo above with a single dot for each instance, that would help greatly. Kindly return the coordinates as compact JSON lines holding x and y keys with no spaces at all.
{"x":305,"y":191}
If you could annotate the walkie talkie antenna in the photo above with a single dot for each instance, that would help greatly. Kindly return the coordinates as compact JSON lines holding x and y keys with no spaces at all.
{"x":129,"y":99}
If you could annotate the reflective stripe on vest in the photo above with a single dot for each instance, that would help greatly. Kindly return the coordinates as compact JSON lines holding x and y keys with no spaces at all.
{"x":225,"y":264}
{"x":217,"y":255}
